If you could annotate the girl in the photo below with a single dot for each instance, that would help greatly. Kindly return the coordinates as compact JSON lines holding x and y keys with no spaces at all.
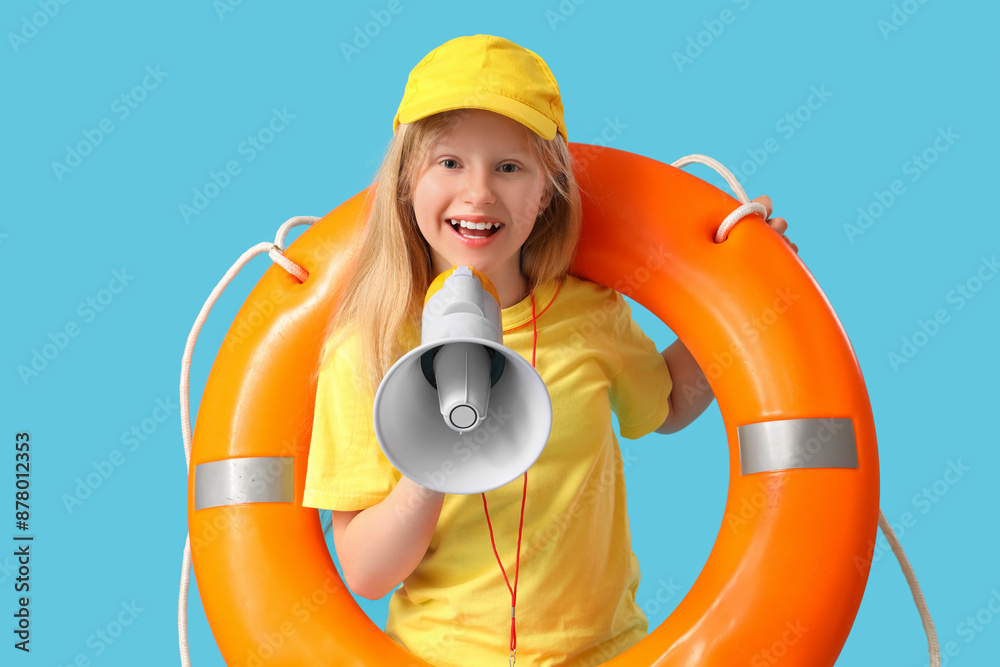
{"x":478,"y":173}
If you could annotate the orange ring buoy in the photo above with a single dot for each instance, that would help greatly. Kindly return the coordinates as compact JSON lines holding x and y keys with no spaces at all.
{"x":803,"y":493}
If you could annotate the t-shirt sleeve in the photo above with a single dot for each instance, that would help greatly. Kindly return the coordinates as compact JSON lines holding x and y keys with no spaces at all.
{"x":640,"y":390}
{"x":347,"y":469}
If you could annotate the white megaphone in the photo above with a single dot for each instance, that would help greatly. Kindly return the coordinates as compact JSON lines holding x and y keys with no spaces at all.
{"x":462,"y":413}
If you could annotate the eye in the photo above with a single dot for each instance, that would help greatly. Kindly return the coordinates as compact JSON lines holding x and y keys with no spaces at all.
{"x":449,"y":163}
{"x":509,"y":168}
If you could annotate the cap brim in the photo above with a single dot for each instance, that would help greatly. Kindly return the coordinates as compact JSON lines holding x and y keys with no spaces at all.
{"x":513,"y":109}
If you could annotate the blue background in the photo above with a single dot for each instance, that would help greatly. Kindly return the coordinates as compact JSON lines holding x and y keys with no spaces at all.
{"x":225,"y":68}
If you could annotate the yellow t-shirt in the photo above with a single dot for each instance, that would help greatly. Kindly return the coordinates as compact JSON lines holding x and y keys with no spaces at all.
{"x":578,"y":575}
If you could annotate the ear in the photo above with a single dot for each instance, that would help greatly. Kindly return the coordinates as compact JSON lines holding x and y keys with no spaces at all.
{"x":546,"y":199}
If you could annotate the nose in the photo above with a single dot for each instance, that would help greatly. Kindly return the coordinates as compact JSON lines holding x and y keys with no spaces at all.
{"x":478,"y":187}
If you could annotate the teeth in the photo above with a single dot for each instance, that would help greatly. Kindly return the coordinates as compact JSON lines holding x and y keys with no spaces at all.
{"x":476,"y":225}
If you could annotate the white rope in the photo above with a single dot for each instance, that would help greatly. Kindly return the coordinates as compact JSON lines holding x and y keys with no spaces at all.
{"x":744,"y":210}
{"x":933,"y":650}
{"x":182,"y":603}
{"x":274,"y":250}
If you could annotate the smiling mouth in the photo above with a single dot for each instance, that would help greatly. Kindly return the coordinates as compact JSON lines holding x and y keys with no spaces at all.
{"x":475,"y":230}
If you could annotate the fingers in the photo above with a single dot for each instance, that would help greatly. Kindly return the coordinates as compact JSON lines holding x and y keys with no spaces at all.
{"x":793,"y":246}
{"x":766,"y":201}
{"x":778,"y":224}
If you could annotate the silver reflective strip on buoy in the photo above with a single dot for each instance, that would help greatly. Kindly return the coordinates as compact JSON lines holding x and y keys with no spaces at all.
{"x":824,"y":442}
{"x":252,"y":479}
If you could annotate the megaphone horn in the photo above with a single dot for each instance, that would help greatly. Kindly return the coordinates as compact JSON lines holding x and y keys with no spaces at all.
{"x":462,"y":413}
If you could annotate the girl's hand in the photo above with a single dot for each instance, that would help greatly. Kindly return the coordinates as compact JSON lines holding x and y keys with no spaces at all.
{"x":777,"y":224}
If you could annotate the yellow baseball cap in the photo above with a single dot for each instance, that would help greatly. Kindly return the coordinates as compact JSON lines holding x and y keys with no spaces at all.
{"x":484,"y":72}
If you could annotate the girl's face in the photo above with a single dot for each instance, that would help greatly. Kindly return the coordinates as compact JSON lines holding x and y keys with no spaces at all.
{"x":477,"y":195}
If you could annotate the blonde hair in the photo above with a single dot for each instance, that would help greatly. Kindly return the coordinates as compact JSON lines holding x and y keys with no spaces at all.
{"x":391,"y":251}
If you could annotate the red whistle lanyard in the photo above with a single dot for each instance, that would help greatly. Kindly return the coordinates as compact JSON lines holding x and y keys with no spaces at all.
{"x":524,"y":495}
